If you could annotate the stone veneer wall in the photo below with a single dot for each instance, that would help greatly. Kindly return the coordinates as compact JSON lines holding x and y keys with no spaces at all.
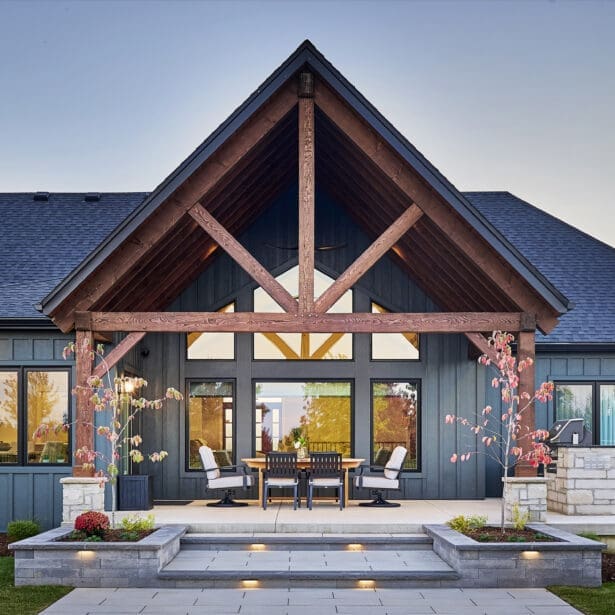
{"x":572,"y":561}
{"x":45,"y":560}
{"x":584,"y":482}
{"x":530,"y":495}
{"x":80,"y":494}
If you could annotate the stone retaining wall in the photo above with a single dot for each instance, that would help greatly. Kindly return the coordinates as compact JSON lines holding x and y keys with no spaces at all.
{"x":81,"y":494}
{"x":574,"y":561}
{"x":584,"y":482}
{"x":42,"y":560}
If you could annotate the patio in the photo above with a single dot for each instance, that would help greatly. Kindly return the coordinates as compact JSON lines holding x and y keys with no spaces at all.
{"x":325,"y":517}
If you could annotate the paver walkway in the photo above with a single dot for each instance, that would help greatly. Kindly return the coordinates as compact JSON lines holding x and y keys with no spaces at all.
{"x":317,"y":601}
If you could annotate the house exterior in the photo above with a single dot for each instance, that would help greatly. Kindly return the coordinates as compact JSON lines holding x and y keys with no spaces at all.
{"x":305,"y":272}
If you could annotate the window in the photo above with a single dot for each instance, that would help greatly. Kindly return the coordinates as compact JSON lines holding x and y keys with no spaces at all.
{"x":212,"y":345}
{"x":393,"y":346}
{"x":302,"y":345}
{"x":34,"y":410}
{"x":319,"y":412}
{"x":592,"y":401}
{"x":210,"y":421}
{"x":395,"y":420}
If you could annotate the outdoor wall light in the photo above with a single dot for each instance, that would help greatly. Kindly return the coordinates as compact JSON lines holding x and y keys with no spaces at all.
{"x":354,"y":546}
{"x":250,"y":583}
{"x":366,"y":584}
{"x":86,"y":554}
{"x":530,"y":554}
{"x":258,"y":546}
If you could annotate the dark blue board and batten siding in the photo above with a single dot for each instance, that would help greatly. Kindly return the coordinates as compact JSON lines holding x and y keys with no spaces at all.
{"x":32,"y":492}
{"x":450,"y":382}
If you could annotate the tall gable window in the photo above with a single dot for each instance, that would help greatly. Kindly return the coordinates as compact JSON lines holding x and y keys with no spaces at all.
{"x":394,"y":346}
{"x":212,"y":345}
{"x":310,"y":346}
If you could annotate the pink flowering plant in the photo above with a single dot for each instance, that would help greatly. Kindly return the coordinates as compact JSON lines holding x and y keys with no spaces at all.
{"x":115,"y":396}
{"x":504,"y":438}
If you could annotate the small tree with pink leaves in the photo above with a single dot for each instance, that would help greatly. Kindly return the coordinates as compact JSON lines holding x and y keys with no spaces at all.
{"x":504,"y":438}
{"x":117,"y":396}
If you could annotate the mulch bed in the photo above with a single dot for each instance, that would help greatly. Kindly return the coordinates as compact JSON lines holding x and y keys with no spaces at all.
{"x":494,"y":534}
{"x":4,"y":546}
{"x":112,"y":536}
{"x":608,"y":567}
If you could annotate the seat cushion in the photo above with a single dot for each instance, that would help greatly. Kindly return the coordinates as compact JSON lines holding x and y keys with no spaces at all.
{"x":326,"y":482}
{"x":281,"y":482}
{"x":230,"y":481}
{"x":397,"y":458}
{"x":376,"y":482}
{"x":209,"y":461}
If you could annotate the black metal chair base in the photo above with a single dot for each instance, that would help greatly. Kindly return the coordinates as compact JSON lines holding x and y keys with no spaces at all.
{"x":227,"y":502}
{"x":380,"y":502}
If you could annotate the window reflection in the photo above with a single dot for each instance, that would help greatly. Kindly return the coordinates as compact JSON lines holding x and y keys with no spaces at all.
{"x":8,"y":418}
{"x":396,"y":346}
{"x":302,"y":345}
{"x":395,"y":416}
{"x":210,"y":421}
{"x":607,"y":414}
{"x":289,"y":413}
{"x":575,"y":401}
{"x":212,"y":345}
{"x":47,"y":407}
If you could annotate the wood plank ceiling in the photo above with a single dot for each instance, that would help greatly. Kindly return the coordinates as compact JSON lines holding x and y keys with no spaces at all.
{"x":445,"y":273}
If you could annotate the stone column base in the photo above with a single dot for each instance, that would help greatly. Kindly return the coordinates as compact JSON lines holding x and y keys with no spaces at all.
{"x":81,"y":494}
{"x":530,"y":495}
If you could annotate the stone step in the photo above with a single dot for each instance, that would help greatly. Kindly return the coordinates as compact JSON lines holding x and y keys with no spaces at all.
{"x":305,"y":542}
{"x":274,"y":568}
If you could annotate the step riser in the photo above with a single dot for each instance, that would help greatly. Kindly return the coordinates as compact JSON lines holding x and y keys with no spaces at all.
{"x":306,"y":584}
{"x":301,"y":528}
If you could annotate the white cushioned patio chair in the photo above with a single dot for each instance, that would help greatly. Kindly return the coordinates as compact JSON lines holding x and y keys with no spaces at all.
{"x":281,"y":472}
{"x":218,"y":481}
{"x":326,"y":472}
{"x":387,"y":479}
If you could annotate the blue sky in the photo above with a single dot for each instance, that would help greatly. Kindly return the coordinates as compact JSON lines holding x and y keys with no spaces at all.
{"x":515,"y":96}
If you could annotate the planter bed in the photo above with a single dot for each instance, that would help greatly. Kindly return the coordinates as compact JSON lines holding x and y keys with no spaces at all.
{"x":48,"y":559}
{"x":567,"y":560}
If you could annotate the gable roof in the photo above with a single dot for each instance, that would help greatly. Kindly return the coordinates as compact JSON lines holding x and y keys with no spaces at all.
{"x":308,"y":55}
{"x":43,"y":241}
{"x":36,"y":261}
{"x":582,"y":267}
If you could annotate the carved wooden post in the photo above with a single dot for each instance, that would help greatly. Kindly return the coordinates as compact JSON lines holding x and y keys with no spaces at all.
{"x":306,"y":193}
{"x":526,"y":349}
{"x":84,"y":428}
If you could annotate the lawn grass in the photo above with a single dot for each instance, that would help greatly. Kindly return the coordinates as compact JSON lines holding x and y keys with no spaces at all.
{"x":24,"y":600}
{"x":589,"y":600}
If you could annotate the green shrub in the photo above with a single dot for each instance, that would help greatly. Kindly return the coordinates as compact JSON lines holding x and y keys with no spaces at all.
{"x":519,"y":519}
{"x":465,"y":524}
{"x":130,"y":536}
{"x":589,"y":536}
{"x":137,"y":523}
{"x":21,"y":529}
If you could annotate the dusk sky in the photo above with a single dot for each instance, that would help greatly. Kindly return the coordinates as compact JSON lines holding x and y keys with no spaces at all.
{"x":518,"y":96}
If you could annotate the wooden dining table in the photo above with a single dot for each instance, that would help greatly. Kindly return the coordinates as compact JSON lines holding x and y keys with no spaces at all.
{"x":258,"y":463}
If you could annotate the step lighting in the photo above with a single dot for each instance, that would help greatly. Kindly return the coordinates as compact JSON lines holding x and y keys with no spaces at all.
{"x":250,"y":583}
{"x":354,"y":546}
{"x":530,"y":554}
{"x":366,"y":583}
{"x":258,"y":546}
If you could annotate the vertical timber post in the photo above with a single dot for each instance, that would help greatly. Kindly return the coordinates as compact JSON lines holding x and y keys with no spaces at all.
{"x":526,"y":349}
{"x":306,"y":193}
{"x":84,"y":421}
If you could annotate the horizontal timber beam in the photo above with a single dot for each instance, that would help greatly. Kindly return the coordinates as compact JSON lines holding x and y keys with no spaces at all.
{"x":251,"y":322}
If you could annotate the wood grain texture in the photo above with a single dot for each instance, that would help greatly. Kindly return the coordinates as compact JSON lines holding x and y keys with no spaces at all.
{"x":306,"y":205}
{"x":250,"y":322}
{"x":84,"y":421}
{"x":171,"y":211}
{"x":243,"y":258}
{"x":369,"y":258}
{"x":118,"y":353}
{"x":401,"y":174}
{"x":526,"y":349}
{"x":481,"y":343}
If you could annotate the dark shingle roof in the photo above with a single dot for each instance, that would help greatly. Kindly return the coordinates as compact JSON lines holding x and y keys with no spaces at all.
{"x":581,"y":267}
{"x":42,"y":242}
